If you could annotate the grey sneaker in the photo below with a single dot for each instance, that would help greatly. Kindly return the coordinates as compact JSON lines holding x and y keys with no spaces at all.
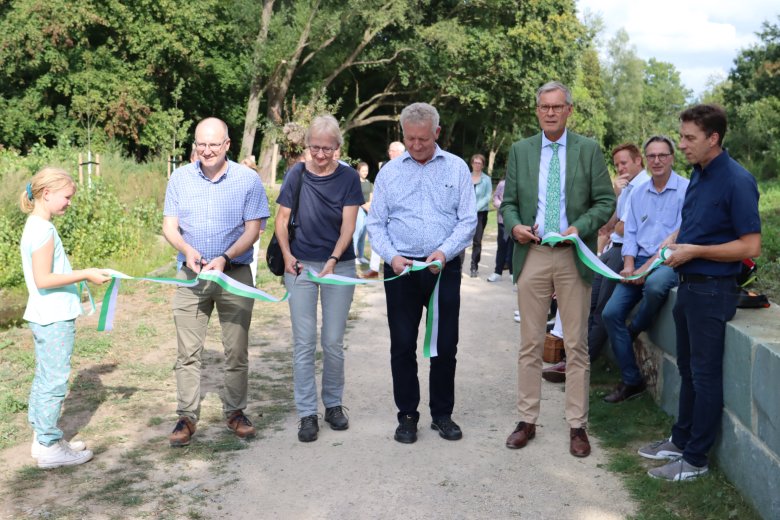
{"x":678,"y":470}
{"x":308,"y":428}
{"x":495,"y":277}
{"x":660,"y":450}
{"x":337,"y":418}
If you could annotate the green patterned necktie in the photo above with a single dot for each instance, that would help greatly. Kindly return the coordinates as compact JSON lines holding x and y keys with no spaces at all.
{"x":552,"y":213}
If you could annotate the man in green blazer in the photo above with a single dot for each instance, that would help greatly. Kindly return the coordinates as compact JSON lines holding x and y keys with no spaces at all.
{"x":556,"y":182}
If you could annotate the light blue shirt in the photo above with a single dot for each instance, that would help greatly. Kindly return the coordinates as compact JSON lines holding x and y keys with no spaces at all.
{"x":482,"y":190}
{"x":419,"y":208}
{"x":652,"y":216}
{"x":211,"y":214}
{"x":544,"y":170}
{"x":622,"y":201}
{"x":46,"y":306}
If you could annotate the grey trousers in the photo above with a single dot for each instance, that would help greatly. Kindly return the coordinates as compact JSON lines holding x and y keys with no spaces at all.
{"x":192,"y":308}
{"x":336,"y":301}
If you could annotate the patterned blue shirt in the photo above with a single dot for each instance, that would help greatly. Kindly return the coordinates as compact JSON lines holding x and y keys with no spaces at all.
{"x":419,"y":208}
{"x":652,"y":216}
{"x":212,"y":214}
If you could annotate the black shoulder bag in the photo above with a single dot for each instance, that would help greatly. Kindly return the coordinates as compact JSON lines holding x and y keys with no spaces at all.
{"x":273,"y":255}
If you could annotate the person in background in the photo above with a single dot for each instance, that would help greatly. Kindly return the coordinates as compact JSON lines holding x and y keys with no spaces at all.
{"x":394,"y":150}
{"x":329,"y":200}
{"x":504,"y":250}
{"x":483,"y":186}
{"x":249,"y":162}
{"x":359,"y":238}
{"x":53,"y":304}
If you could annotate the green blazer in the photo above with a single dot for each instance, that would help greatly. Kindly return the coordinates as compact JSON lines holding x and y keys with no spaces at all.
{"x":590,"y":200}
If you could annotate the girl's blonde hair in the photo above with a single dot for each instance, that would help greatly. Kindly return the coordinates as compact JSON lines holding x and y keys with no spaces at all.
{"x":49,"y":177}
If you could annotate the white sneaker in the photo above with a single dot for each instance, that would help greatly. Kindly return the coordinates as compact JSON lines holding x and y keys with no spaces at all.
{"x":514,"y":287}
{"x":517,"y":316}
{"x":35,"y":447}
{"x":364,"y":261}
{"x":494,"y":277}
{"x":60,"y":454}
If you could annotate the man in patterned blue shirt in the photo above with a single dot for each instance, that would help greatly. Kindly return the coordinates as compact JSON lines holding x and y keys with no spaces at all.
{"x":214,"y":211}
{"x":424,"y":209}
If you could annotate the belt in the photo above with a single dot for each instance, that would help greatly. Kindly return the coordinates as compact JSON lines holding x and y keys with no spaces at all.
{"x":230,"y":266}
{"x":700,"y":278}
{"x":564,"y":243}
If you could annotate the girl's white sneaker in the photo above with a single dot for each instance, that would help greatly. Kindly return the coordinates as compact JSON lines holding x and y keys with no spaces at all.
{"x":60,"y":454}
{"x":36,"y":447}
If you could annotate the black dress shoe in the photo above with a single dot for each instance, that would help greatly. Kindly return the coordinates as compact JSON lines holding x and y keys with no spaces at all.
{"x":447,"y":429}
{"x":407,"y":429}
{"x":623,"y":392}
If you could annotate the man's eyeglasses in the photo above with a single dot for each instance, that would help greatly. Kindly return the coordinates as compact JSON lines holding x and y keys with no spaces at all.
{"x":546,"y":108}
{"x":660,"y":156}
{"x":327,"y":150}
{"x":201,"y":147}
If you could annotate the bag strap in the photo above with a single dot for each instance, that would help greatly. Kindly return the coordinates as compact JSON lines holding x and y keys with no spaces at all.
{"x":296,"y":200}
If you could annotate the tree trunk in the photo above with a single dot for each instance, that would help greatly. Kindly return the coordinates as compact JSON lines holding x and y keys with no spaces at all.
{"x":256,"y":87}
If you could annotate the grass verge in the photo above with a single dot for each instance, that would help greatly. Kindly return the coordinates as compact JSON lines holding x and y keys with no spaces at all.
{"x":624,"y":428}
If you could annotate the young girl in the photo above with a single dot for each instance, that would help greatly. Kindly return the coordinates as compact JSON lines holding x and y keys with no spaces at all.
{"x":52,"y":307}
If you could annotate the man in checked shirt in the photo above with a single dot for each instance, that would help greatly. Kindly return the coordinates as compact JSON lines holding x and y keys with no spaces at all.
{"x":424,"y":209}
{"x":214,"y":210}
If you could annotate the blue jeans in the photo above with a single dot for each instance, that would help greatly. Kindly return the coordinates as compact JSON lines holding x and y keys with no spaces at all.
{"x":336,"y":301}
{"x":652,"y":294}
{"x":53,"y":349}
{"x":359,"y":236}
{"x":700,"y":317}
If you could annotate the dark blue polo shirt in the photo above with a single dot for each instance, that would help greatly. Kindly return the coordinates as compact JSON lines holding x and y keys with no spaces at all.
{"x":720,"y":206}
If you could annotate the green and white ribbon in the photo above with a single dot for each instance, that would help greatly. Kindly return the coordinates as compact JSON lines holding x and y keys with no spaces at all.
{"x":108,"y":309}
{"x":594,"y":263}
{"x":430,"y":348}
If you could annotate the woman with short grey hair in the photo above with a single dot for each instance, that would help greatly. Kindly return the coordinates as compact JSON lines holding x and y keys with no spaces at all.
{"x":328,"y":196}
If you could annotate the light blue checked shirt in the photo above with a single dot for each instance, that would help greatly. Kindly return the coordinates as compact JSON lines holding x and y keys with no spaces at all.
{"x":650,"y":216}
{"x":212,"y":214}
{"x":419,"y":208}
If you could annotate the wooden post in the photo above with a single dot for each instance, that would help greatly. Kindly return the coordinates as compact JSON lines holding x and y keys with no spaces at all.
{"x":97,"y":164}
{"x":274,"y":164}
{"x":81,"y":169}
{"x":168,"y":163}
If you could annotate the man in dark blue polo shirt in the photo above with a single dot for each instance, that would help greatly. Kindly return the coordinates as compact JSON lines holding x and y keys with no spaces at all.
{"x":720,"y":226}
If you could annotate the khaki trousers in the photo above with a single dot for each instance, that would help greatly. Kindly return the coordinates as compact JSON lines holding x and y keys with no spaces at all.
{"x":549,"y":271}
{"x":192,"y":308}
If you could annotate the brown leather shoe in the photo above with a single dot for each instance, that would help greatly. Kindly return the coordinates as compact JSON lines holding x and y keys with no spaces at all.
{"x":523,"y":433}
{"x":580,"y":445}
{"x":370,"y":274}
{"x":555,"y":373}
{"x":240,"y":425}
{"x":182,"y":432}
{"x":624,"y":392}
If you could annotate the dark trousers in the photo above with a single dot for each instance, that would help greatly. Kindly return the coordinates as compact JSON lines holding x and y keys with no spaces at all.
{"x":601,"y":291}
{"x":700,"y":315}
{"x":476,"y":245}
{"x":504,"y":251}
{"x":406,"y":298}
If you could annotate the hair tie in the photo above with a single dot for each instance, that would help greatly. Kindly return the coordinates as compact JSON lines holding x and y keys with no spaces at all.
{"x":29,"y":191}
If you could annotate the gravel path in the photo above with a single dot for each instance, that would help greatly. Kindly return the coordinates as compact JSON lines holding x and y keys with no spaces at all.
{"x":363,"y":473}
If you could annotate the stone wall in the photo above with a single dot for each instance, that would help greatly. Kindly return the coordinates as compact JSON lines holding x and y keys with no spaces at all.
{"x":748,"y":448}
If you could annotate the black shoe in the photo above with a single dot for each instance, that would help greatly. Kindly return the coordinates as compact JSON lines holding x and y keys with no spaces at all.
{"x":473,"y":273}
{"x":407,"y":429}
{"x":337,"y":418}
{"x":623,"y":392}
{"x":447,"y":429}
{"x":308,"y":428}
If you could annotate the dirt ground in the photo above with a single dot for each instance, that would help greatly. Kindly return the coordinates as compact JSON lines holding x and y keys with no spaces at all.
{"x":122,"y":402}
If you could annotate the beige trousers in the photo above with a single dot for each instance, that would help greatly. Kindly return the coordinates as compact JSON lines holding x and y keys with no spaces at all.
{"x":549,"y":271}
{"x":192,"y":308}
